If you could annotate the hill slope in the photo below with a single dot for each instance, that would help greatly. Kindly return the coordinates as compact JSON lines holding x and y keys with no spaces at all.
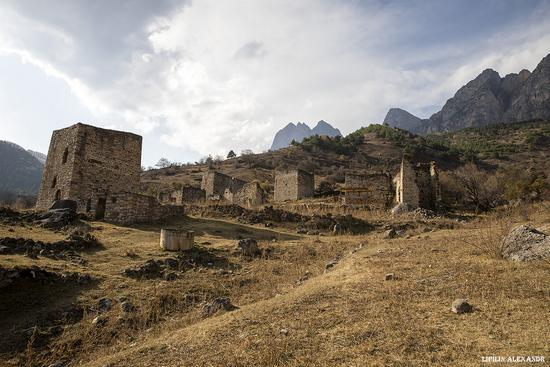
{"x":20,"y":171}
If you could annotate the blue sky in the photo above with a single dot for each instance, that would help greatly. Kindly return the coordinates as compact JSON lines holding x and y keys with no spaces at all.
{"x":206,"y":76}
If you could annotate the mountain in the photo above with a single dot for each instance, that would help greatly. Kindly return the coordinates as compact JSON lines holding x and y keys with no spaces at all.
{"x":40,"y":156}
{"x":298,"y":132}
{"x":397,"y":117}
{"x":488,"y":99}
{"x":20,"y":171}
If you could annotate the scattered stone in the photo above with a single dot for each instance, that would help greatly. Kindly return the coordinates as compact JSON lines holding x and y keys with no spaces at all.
{"x":284,"y":332}
{"x":171,"y":263}
{"x":4,"y":250}
{"x":401,"y":208}
{"x":460,"y":306}
{"x":126,"y":306}
{"x":331,"y":264}
{"x":104,"y":304}
{"x":312,"y":233}
{"x":170,"y":276}
{"x":337,"y":229}
{"x":301,"y":231}
{"x":249,"y":247}
{"x":99,"y":320}
{"x":390,"y":233}
{"x":220,"y":303}
{"x":57,"y":364}
{"x":525,"y":243}
{"x":390,"y":276}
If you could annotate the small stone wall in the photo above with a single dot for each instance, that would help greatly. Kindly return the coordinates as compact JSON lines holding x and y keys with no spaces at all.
{"x":187,"y":194}
{"x":127,"y":208}
{"x":370,"y":189}
{"x":215,"y":183}
{"x":293,"y":185}
{"x":249,"y":196}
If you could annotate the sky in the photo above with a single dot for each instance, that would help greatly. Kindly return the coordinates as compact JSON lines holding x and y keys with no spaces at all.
{"x":207,"y":76}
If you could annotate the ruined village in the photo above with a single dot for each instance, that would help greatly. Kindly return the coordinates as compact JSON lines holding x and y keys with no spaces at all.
{"x":267,"y":183}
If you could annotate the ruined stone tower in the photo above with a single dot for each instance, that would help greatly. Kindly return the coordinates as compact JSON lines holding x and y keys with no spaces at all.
{"x":293,"y":185}
{"x":418,"y":185}
{"x":90,"y":165}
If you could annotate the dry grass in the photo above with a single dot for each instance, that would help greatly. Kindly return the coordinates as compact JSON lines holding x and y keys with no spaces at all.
{"x":349,"y":316}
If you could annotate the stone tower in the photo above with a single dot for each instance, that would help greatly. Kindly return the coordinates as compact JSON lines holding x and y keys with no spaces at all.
{"x":90,"y":165}
{"x":418,"y":185}
{"x":293,"y":184}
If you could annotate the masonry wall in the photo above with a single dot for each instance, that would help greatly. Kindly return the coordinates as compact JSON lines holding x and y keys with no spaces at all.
{"x":136,"y":208}
{"x":91,"y":166}
{"x":187,"y":194}
{"x":249,"y":196}
{"x":418,"y":185}
{"x":293,"y":185}
{"x":374,"y":190}
{"x":215,"y":183}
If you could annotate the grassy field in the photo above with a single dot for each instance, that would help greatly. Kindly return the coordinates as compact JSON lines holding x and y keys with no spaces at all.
{"x":290,"y":312}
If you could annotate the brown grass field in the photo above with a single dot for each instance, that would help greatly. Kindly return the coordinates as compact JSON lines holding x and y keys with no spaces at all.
{"x":290,"y":312}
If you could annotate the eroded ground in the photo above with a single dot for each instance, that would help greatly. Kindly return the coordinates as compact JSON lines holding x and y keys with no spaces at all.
{"x":289,"y":310}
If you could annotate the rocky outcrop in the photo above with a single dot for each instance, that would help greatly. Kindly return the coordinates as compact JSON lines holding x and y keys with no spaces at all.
{"x":525,"y":243}
{"x":397,"y":117}
{"x":488,"y":99}
{"x":298,"y":132}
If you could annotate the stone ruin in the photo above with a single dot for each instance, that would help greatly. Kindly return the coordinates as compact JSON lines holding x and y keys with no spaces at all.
{"x":373,"y":189}
{"x":215,"y":184}
{"x":187,"y":194}
{"x":100,"y":170}
{"x":417,"y":186}
{"x":293,"y":185}
{"x":218,"y":186}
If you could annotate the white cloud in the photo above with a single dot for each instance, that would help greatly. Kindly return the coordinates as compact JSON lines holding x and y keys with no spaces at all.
{"x":211,"y":75}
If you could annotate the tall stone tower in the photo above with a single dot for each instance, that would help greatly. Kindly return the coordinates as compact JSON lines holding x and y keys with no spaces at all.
{"x":418,"y":185}
{"x":90,"y":165}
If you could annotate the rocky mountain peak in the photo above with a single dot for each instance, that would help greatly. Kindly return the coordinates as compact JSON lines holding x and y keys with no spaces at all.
{"x":299,"y":131}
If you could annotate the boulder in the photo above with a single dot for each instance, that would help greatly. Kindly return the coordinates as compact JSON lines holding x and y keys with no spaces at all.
{"x":401,"y":208}
{"x":390,"y":233}
{"x":461,"y":306}
{"x":217,"y":304}
{"x":525,"y":243}
{"x":249,"y":247}
{"x":65,"y":204}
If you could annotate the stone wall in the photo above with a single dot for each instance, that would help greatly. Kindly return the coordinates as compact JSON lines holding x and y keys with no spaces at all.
{"x":370,"y":189}
{"x":128,"y":207}
{"x":249,"y":196}
{"x":418,"y":185}
{"x":293,"y":185}
{"x":187,"y":194}
{"x":90,"y":165}
{"x":215,"y":183}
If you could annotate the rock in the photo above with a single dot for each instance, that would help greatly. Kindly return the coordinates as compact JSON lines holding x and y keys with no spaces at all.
{"x":283,"y":332}
{"x":4,"y":250}
{"x":390,"y":276}
{"x":171,"y":263}
{"x":461,"y":306}
{"x":525,"y":243}
{"x":104,"y":304}
{"x":390,"y":233}
{"x":301,"y":231}
{"x":220,"y":303}
{"x":401,"y":208}
{"x":99,"y":320}
{"x":331,"y":264}
{"x":170,"y":276}
{"x":249,"y":247}
{"x":64,"y":204}
{"x":57,"y":364}
{"x":337,"y":229}
{"x":312,"y":233}
{"x":126,"y":306}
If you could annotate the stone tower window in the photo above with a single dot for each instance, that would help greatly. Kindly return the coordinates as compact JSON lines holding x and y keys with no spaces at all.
{"x":54,"y":181}
{"x":65,"y":155}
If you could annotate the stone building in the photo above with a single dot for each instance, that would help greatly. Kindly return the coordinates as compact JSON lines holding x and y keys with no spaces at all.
{"x":215,"y":184}
{"x":373,"y":189}
{"x":249,"y":196}
{"x":293,"y":185}
{"x":100,"y":170}
{"x":418,"y":185}
{"x":187,"y":194}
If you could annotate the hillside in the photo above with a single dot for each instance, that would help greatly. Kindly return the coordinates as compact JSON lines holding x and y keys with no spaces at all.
{"x":487,"y":99}
{"x":378,"y":147}
{"x":20,"y":171}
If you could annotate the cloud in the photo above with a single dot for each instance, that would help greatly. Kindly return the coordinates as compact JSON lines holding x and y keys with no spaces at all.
{"x":208,"y":76}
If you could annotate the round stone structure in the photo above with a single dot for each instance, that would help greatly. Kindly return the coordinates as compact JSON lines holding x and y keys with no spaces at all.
{"x":173,"y":239}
